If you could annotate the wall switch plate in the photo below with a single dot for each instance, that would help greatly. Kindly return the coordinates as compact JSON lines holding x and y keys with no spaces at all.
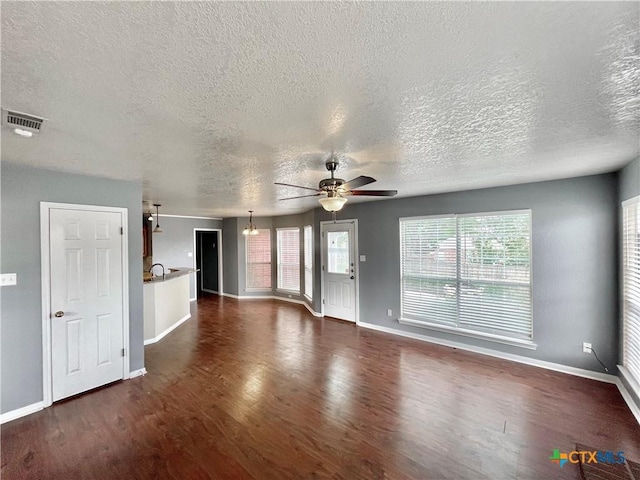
{"x":389,"y":313}
{"x":189,"y":254}
{"x":586,"y":347}
{"x":7,"y":279}
{"x":363,"y":258}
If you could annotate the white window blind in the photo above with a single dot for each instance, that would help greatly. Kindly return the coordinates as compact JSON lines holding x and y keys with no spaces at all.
{"x":289,"y":259}
{"x":308,"y":261}
{"x":631,"y":287}
{"x":259,"y":260}
{"x":468,"y":272}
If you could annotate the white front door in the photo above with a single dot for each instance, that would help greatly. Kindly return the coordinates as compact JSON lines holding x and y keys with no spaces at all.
{"x":87,"y":299}
{"x":339,"y":270}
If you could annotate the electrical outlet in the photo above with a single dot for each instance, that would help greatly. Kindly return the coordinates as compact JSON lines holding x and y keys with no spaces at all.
{"x":389,"y":313}
{"x":586,"y":347}
{"x":7,"y":279}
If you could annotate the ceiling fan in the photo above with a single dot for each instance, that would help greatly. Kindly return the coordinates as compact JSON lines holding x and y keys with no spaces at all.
{"x":334,"y":190}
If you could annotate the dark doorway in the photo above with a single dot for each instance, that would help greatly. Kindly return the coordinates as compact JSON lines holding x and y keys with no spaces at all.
{"x":207,"y":258}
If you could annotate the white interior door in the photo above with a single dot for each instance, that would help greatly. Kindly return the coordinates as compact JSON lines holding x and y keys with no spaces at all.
{"x":339,"y":270}
{"x":87,"y":298}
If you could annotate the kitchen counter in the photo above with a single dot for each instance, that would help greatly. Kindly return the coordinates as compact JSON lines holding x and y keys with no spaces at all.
{"x":171,"y":273}
{"x":166,"y":303}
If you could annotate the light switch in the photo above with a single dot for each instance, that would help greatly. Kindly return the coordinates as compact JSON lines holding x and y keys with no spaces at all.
{"x":189,"y":254}
{"x":363,"y":258}
{"x":7,"y":279}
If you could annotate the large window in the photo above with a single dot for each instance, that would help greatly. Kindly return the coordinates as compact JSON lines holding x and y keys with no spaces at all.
{"x":289,"y":259}
{"x":631,"y":288}
{"x":308,"y":261}
{"x":259,"y":260}
{"x":468,"y":273}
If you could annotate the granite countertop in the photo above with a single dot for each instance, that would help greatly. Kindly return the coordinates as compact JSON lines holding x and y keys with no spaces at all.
{"x":170,"y":273}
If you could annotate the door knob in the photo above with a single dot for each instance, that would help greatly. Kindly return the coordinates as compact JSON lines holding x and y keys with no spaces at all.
{"x":59,"y":314}
{"x":352,"y":277}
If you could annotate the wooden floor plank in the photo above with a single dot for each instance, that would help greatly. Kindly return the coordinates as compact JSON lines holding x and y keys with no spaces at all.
{"x":261,"y":389}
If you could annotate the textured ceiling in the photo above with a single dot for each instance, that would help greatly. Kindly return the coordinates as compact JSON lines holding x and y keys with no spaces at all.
{"x":208,"y":104}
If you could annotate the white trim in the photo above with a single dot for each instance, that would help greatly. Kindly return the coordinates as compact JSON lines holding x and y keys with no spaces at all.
{"x":195,"y":259}
{"x":187,"y":216}
{"x":631,"y":201}
{"x":138,"y":373}
{"x":45,"y":209}
{"x":167,"y":331}
{"x":471,"y":214}
{"x":557,"y":367}
{"x":231,"y":295}
{"x":274,"y":297}
{"x":490,"y":337}
{"x":287,"y":291}
{"x":628,"y":398}
{"x":631,"y":381}
{"x":21,"y":412}
{"x":356,"y":263}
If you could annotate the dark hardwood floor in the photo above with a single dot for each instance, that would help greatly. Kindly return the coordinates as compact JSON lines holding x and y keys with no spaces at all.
{"x":261,"y":389}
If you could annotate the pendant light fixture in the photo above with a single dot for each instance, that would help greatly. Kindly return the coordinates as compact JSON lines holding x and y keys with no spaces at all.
{"x":250,"y":228}
{"x":149,"y":216}
{"x":157,"y":229}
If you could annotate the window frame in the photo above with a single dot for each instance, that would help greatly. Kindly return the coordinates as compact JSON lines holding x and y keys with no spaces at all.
{"x":278,"y":275}
{"x":308,"y":270}
{"x":630,"y":376}
{"x":248,"y":288}
{"x":527,"y":343}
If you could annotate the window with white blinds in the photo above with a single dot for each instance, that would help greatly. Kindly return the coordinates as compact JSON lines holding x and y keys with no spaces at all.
{"x":631,"y":287}
{"x":470,"y":273}
{"x":288,"y":259}
{"x":259,"y":260}
{"x":308,"y":261}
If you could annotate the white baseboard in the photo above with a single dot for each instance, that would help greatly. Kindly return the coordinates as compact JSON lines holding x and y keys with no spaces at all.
{"x":274,"y":297}
{"x":138,"y":373}
{"x":635,"y":410}
{"x":21,"y":412}
{"x":579,"y":372}
{"x":167,"y":331}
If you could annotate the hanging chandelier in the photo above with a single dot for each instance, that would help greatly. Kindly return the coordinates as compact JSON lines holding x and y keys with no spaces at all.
{"x":250,"y":228}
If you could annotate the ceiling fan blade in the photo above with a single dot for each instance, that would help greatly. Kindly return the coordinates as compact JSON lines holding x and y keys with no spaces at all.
{"x":360,"y":181}
{"x":373,"y":193}
{"x":297,"y":186}
{"x":302,"y":196}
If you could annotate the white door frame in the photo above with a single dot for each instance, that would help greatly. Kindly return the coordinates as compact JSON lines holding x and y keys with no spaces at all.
{"x":45,"y":209}
{"x":356,"y":263}
{"x":195,"y":260}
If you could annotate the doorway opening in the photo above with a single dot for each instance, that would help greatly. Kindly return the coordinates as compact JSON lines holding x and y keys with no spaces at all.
{"x":207,"y":261}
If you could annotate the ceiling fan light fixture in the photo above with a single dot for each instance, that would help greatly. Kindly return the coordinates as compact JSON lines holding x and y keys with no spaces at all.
{"x":333,"y":204}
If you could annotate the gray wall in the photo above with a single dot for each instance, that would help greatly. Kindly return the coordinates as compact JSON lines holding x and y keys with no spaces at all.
{"x":23,"y":188}
{"x":172,"y":246}
{"x":629,"y":187}
{"x":629,"y":180}
{"x":230,"y":255}
{"x":575,"y":265}
{"x":575,"y":271}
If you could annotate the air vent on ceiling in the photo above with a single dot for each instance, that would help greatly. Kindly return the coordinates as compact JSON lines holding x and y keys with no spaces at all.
{"x":25,"y":121}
